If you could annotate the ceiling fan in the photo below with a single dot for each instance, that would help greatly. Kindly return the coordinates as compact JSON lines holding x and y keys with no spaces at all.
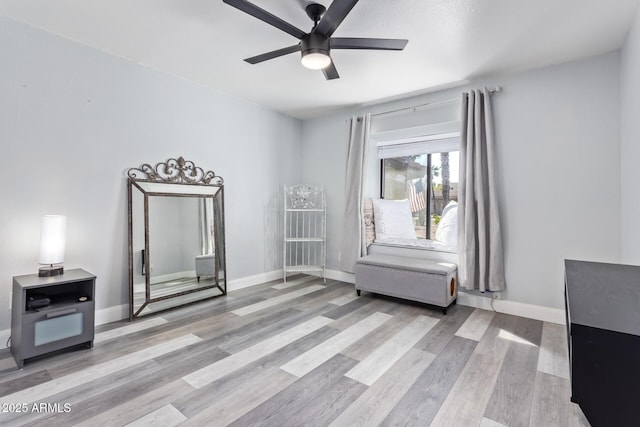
{"x":316,"y":44}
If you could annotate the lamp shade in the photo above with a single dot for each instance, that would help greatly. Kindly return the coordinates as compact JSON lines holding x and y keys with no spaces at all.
{"x":52,"y":239}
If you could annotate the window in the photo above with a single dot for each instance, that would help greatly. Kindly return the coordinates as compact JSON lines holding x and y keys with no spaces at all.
{"x":419,"y":150}
{"x":430,"y":181}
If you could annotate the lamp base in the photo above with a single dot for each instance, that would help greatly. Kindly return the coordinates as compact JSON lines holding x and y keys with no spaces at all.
{"x":50,"y":271}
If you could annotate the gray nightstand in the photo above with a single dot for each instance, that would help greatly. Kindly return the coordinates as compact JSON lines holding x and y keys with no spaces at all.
{"x":67,"y":319}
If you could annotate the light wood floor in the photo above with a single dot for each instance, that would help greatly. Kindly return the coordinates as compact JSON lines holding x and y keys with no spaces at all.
{"x":302,"y":354}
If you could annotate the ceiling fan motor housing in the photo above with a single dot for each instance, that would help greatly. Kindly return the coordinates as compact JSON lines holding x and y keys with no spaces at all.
{"x":315,"y":11}
{"x":315,"y":43}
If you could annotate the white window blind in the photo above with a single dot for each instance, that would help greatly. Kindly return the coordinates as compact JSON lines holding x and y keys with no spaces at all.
{"x":434,"y":128}
{"x":443,"y":143}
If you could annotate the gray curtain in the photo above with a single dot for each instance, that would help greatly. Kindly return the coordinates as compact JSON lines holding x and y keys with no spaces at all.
{"x":352,"y":230}
{"x":480,"y":254}
{"x":205,"y":211}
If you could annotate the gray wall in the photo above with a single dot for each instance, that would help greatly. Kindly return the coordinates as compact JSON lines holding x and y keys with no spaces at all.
{"x":73,"y":119}
{"x":558,"y":155}
{"x":630,"y":144}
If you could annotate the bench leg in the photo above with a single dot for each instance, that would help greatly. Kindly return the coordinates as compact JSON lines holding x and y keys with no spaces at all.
{"x":358,"y":292}
{"x":444,"y":310}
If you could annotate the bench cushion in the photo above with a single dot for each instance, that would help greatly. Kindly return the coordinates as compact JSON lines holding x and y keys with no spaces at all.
{"x":411,"y":264}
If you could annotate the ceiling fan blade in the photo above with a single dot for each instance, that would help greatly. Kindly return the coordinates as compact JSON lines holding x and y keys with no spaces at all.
{"x":330,"y":72}
{"x":334,"y":16}
{"x":265,"y":16}
{"x":367,"y":43}
{"x":273,"y":54}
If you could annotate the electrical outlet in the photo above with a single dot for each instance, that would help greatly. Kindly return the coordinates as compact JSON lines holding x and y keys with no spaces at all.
{"x":496,"y":295}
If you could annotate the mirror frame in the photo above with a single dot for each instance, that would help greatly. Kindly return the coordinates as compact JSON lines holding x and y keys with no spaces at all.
{"x":184,"y":179}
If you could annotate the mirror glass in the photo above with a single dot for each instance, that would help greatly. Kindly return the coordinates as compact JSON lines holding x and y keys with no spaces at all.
{"x":176,"y":250}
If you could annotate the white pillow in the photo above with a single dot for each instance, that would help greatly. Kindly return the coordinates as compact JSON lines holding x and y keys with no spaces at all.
{"x":393,"y":219}
{"x":447,"y":231}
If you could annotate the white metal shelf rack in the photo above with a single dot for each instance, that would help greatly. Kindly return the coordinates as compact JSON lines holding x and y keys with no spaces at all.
{"x":305,"y":231}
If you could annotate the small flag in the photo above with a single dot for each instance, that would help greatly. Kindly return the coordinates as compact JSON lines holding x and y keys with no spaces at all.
{"x":417,"y":196}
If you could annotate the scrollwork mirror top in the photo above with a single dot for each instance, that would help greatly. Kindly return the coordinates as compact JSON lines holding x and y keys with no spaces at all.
{"x":161,"y":194}
{"x":175,"y":171}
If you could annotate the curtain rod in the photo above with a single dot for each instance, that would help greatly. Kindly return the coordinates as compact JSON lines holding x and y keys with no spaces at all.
{"x":496,"y":89}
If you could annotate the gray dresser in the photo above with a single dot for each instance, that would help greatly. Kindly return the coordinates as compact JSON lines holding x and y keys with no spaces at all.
{"x":603,"y":328}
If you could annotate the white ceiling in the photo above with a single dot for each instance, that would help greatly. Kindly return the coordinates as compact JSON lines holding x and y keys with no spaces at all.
{"x":205,"y":41}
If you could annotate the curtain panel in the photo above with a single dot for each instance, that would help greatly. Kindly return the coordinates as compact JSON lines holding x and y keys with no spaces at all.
{"x":480,"y":252}
{"x":353,"y":244}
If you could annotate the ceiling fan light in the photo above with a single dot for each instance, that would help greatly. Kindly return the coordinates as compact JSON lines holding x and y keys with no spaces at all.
{"x":316,"y":60}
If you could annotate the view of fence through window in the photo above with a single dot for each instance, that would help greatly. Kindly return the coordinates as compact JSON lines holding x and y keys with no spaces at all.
{"x":430,"y":182}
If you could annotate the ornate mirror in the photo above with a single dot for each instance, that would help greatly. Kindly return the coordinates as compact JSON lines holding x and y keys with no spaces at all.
{"x":176,"y":236}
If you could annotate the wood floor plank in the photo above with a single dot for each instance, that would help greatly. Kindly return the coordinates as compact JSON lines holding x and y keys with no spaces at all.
{"x":328,"y":405}
{"x":295,"y":282}
{"x":76,"y":397}
{"x":230,"y":323}
{"x":440,"y":335}
{"x":385,"y":356}
{"x":242,"y":399}
{"x":313,"y":358}
{"x":350,"y":307}
{"x":166,"y":416}
{"x":361,"y":349}
{"x":136,"y":407}
{"x":554,"y":355}
{"x":510,"y":402}
{"x":241,"y":340}
{"x":345,"y":299}
{"x":234,"y":362}
{"x":421,"y":402}
{"x":476,"y":324}
{"x":24,"y":381}
{"x":477,"y":380}
{"x":277,"y":300}
{"x":42,"y":391}
{"x":316,"y":299}
{"x":353,"y":312}
{"x":171,"y":366}
{"x":101,"y":398}
{"x":287,"y":403}
{"x":486,"y":422}
{"x":375,"y":403}
{"x":551,"y":403}
{"x":100,"y":395}
{"x":128,"y":329}
{"x":7,"y":363}
{"x":193,"y":403}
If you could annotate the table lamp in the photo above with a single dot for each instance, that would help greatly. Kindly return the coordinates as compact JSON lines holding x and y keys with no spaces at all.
{"x":52,"y":242}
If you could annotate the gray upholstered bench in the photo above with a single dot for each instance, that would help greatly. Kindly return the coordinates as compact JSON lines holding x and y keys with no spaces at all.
{"x":414,"y":279}
{"x":205,"y":265}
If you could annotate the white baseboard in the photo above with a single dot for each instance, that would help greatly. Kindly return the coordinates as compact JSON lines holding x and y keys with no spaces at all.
{"x":342,"y":276}
{"x":111,"y":314}
{"x":530,"y":311}
{"x":4,"y":336}
{"x":245,"y":282}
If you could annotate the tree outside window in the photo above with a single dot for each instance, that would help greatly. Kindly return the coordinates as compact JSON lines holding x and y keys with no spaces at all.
{"x":429,"y":181}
